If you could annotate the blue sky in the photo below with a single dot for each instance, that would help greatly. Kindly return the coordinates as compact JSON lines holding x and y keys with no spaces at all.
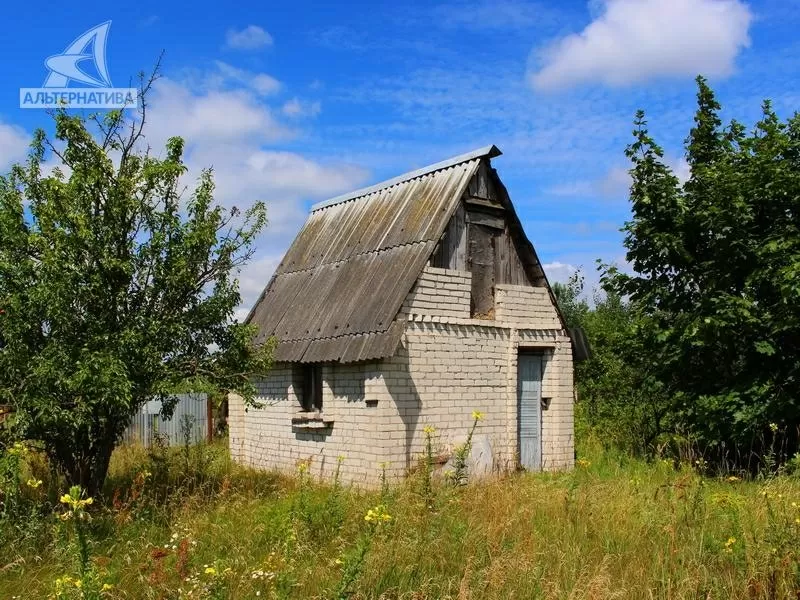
{"x":295,"y":102}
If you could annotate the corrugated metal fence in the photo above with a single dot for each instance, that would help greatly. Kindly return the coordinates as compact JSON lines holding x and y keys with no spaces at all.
{"x":190,"y":418}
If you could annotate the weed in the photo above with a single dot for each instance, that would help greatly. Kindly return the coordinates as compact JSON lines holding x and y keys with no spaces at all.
{"x":426,"y":473}
{"x":460,"y":475}
{"x":616,"y":527}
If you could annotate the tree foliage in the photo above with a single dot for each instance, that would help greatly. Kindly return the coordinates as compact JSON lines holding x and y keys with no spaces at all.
{"x":115,"y":287}
{"x":716,"y":277}
{"x":619,"y":402}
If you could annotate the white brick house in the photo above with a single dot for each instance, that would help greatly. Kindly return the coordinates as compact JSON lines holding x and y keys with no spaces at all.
{"x":413,"y":302}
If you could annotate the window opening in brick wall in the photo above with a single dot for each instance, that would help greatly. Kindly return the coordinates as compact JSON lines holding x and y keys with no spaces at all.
{"x":309,"y":386}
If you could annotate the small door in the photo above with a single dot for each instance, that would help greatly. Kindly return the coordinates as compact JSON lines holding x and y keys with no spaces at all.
{"x":529,"y":412}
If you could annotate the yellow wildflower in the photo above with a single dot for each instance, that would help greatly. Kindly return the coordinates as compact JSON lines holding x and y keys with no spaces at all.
{"x":78,"y":583}
{"x":107,"y":587}
{"x":477,"y":415}
{"x":75,"y":503}
{"x":62,"y":583}
{"x":34,"y":483}
{"x":18,"y":449}
{"x":429,"y":429}
{"x":340,"y":458}
{"x":729,"y":544}
{"x":210,"y":571}
{"x":583,"y":463}
{"x":302,"y":467}
{"x":377,"y":515}
{"x":773,"y":427}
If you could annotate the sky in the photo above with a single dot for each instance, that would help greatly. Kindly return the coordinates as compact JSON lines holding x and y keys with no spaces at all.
{"x":295,"y":103}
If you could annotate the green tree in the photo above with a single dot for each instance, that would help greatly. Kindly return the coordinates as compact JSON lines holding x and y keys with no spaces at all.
{"x":115,"y":287}
{"x":716,"y":276}
{"x":618,"y":399}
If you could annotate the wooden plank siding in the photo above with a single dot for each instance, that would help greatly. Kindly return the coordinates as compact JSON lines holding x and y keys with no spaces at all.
{"x":483,"y":237}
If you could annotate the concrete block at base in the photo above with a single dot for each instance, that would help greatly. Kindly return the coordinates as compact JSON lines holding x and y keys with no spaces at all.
{"x":480,"y":462}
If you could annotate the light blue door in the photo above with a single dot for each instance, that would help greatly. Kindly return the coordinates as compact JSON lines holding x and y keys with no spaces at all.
{"x":529,"y":413}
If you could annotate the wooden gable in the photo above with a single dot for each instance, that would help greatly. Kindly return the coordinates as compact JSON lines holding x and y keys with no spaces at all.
{"x":485,"y":237}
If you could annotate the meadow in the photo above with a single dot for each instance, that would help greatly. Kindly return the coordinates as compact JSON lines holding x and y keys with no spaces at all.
{"x":187,"y":523}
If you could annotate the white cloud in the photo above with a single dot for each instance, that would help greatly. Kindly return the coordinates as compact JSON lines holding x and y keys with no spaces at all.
{"x":235,"y":132}
{"x":558,"y":271}
{"x":219,"y":116}
{"x":149,"y":21}
{"x":13,"y":144}
{"x":232,"y":131}
{"x":298,"y":108}
{"x":261,"y":83}
{"x":252,"y":279}
{"x":488,"y":15}
{"x":251,"y":37}
{"x":637,"y":40}
{"x":616,"y":182}
{"x":680,"y":168}
{"x":245,"y":172}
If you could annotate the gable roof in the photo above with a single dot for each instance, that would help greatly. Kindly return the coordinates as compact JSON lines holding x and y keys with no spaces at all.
{"x":337,"y":290}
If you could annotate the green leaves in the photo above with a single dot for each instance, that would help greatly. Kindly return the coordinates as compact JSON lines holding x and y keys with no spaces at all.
{"x":115,"y":287}
{"x":716,"y":263}
{"x":765,"y":348}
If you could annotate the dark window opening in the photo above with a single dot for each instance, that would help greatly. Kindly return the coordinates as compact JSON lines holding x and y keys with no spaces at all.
{"x":309,"y":387}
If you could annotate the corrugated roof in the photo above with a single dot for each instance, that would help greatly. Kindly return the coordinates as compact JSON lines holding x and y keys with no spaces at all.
{"x":490,"y":151}
{"x":338,"y":289}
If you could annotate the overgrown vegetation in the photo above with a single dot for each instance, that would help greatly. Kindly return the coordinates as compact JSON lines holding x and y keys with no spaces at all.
{"x":616,"y":527}
{"x":699,"y":347}
{"x":116,"y":286}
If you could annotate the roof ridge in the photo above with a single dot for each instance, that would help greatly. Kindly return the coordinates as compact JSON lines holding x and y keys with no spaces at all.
{"x":491,"y":151}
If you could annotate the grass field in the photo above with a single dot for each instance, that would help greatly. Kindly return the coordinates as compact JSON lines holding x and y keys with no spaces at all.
{"x":189,"y":524}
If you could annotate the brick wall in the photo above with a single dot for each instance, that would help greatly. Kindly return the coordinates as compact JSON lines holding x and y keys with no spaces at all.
{"x":525,"y":307}
{"x":448,"y":371}
{"x":441,"y":292}
{"x":447,"y":366}
{"x":269,"y":439}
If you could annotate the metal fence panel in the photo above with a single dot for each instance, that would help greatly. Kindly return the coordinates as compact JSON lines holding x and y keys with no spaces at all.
{"x":189,"y":417}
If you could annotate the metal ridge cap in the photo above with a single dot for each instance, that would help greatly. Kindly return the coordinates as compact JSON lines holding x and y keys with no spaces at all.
{"x":491,"y":151}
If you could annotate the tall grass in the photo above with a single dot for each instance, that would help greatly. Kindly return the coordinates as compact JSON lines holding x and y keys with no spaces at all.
{"x":195,"y":525}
